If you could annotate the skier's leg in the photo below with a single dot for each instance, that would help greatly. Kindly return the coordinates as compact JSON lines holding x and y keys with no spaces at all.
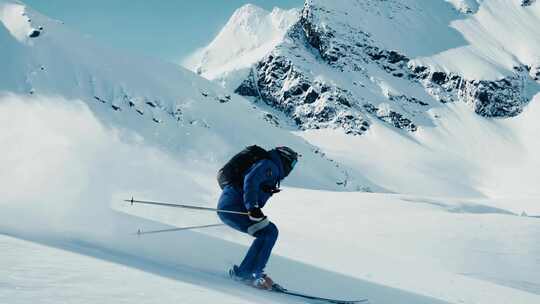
{"x":266,"y":238}
{"x":265,"y":233}
{"x":239,"y":223}
{"x":247,"y":266}
{"x":231,"y":200}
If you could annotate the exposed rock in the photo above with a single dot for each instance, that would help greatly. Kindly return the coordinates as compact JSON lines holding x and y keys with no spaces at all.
{"x":309,"y":103}
{"x":34,"y":33}
{"x":100,"y":99}
{"x":500,"y":98}
{"x":535,"y":73}
{"x":407,"y":99}
{"x":273,"y":120}
{"x":224,"y":99}
{"x":311,"y":96}
{"x":352,"y":124}
{"x":285,"y":80}
{"x":389,"y":116}
{"x":438,"y":78}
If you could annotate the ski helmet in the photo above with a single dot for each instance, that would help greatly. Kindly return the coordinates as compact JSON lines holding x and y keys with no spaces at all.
{"x":288,"y":157}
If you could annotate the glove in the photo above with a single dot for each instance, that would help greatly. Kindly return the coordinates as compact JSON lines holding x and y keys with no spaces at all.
{"x":270,"y":189}
{"x":256,"y":214}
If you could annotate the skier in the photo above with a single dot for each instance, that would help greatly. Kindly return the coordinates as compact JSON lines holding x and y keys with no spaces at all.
{"x":248,"y":180}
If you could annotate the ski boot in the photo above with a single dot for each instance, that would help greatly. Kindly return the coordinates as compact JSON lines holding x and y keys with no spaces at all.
{"x":263,"y":281}
{"x":235,"y":275}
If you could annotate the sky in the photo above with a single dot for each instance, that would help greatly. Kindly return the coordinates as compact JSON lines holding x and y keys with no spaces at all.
{"x":167,"y":29}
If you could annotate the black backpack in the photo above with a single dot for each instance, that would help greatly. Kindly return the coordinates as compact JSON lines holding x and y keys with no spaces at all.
{"x":233,"y":171}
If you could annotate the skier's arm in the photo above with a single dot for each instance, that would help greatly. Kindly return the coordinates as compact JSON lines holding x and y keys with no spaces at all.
{"x":252,"y":184}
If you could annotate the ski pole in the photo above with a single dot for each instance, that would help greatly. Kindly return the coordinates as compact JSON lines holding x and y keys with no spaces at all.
{"x":133,"y":201}
{"x":140,"y":232}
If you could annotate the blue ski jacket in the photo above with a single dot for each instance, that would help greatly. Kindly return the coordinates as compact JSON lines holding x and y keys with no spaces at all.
{"x":258,"y":180}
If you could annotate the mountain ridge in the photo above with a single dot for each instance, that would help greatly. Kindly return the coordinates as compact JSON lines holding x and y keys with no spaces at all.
{"x":167,"y":105}
{"x":353,"y":46}
{"x":414,"y":68}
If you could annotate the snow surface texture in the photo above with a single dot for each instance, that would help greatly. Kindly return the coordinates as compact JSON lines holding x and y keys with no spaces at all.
{"x":96,"y":277}
{"x":85,"y":127}
{"x":456,"y":250}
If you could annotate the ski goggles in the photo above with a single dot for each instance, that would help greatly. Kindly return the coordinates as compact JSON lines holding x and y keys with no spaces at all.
{"x":293,"y":163}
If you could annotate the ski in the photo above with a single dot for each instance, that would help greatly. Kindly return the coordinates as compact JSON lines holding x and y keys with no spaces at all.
{"x":276,"y":288}
{"x":279,"y":289}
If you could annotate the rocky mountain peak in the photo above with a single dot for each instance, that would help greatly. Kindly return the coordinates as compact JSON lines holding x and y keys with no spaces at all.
{"x":349,"y":64}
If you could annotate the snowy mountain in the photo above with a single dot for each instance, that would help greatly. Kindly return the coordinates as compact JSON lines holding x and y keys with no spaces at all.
{"x":166,"y":104}
{"x":452,"y":216}
{"x":422,"y":67}
{"x":250,"y":34}
{"x":377,"y":48}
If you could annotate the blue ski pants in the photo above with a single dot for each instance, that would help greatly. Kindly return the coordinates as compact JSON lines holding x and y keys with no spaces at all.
{"x":265,"y":233}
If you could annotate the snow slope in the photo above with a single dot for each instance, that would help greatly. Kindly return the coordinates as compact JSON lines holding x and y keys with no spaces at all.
{"x":13,"y":17}
{"x":84,"y":127}
{"x":81,"y":209}
{"x":76,"y":275}
{"x":165,"y":104}
{"x":456,"y":250}
{"x":460,"y":156}
{"x":500,"y":36}
{"x":386,"y":247}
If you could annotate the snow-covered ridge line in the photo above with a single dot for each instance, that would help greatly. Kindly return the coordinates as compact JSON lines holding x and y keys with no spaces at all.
{"x":17,"y":22}
{"x":250,"y":34}
{"x":290,"y":85}
{"x":169,"y":106}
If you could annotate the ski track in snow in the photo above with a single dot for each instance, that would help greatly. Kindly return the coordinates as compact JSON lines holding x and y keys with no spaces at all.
{"x":213,"y":281}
